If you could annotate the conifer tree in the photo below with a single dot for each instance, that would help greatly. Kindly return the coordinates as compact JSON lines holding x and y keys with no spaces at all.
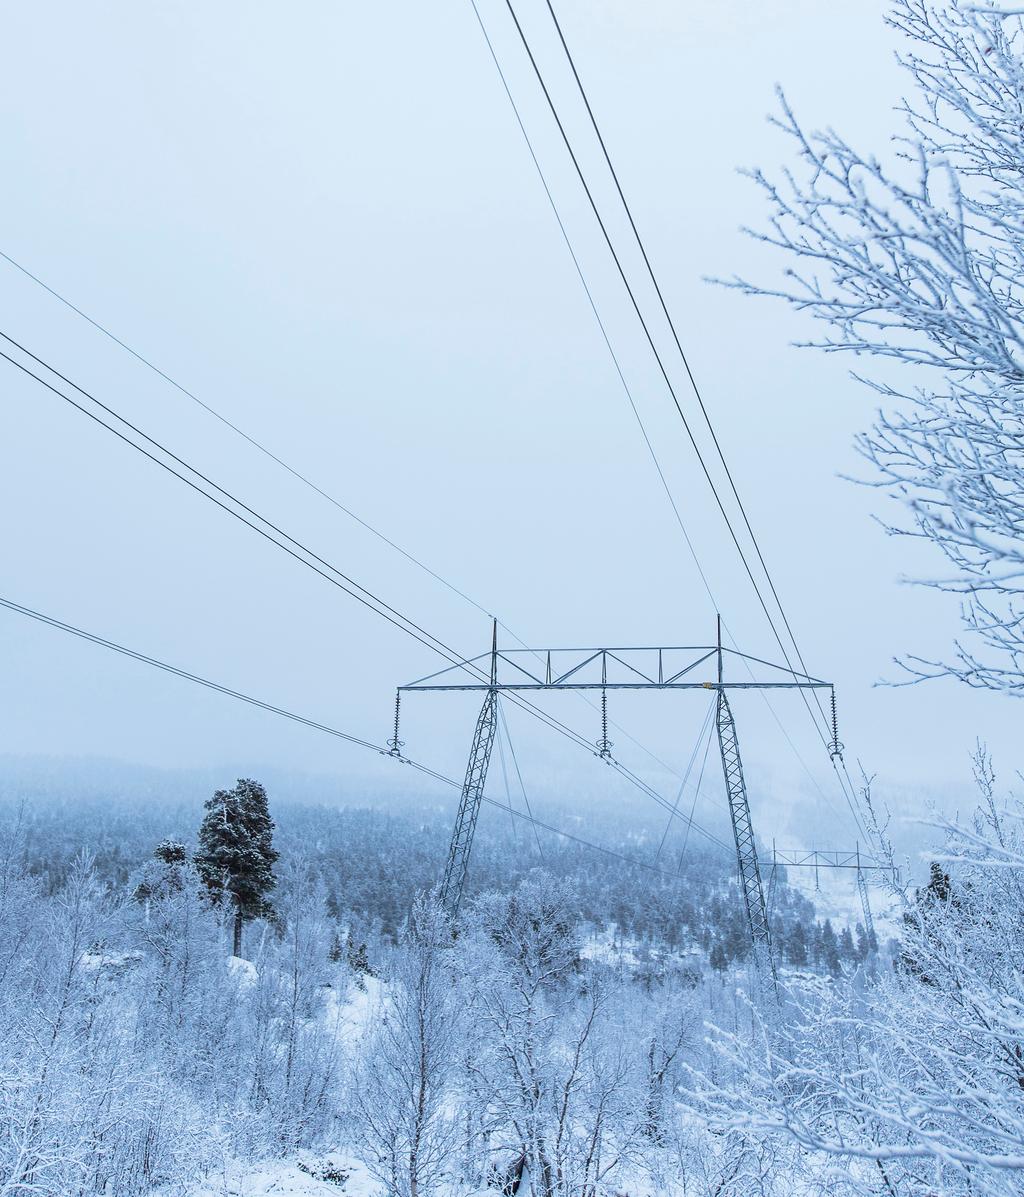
{"x":829,"y":949}
{"x":796,"y":945}
{"x":236,"y":853}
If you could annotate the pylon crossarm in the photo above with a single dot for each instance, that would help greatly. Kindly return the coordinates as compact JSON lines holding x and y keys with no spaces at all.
{"x":469,"y":663}
{"x":817,"y":859}
{"x":638,"y":668}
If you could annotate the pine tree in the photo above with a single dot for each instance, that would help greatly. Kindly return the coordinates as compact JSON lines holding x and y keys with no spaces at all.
{"x":924,"y":918}
{"x":236,"y":853}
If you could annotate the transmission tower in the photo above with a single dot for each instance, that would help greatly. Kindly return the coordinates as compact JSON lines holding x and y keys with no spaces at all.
{"x":607,"y":670}
{"x":817,"y":860}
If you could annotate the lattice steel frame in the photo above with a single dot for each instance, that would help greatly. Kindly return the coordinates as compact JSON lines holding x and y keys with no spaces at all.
{"x":604,"y":669}
{"x":747,"y":864}
{"x":862,"y":889}
{"x":816,"y":859}
{"x":469,"y":805}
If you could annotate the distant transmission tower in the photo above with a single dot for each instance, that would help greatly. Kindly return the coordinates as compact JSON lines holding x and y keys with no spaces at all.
{"x":798,"y":858}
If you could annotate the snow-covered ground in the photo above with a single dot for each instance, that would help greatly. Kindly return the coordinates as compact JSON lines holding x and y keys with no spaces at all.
{"x":310,"y":1174}
{"x":288,"y":1178}
{"x":353,"y":1011}
{"x":608,"y":947}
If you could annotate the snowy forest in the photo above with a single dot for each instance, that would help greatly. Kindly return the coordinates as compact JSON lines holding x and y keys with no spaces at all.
{"x":231,"y":991}
{"x":180,"y":998}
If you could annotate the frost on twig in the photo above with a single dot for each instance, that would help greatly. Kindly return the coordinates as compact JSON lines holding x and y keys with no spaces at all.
{"x":919,"y":261}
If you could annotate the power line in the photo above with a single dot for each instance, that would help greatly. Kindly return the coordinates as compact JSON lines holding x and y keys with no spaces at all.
{"x":508,"y":791}
{"x":705,"y":729}
{"x":367,"y":598}
{"x":590,"y":298}
{"x":686,"y":364}
{"x":258,"y":445}
{"x":515,"y":761}
{"x":647,"y":332}
{"x":851,"y":800}
{"x":665,"y":804}
{"x":693,"y":805}
{"x":675,"y":337}
{"x":402,"y":622}
{"x":188,"y":676}
{"x":315,"y":487}
{"x":372,"y":601}
{"x":282,"y":712}
{"x":382,"y":608}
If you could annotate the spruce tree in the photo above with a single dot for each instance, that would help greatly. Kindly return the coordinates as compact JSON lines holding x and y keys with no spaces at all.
{"x":236,"y":853}
{"x":830,"y":948}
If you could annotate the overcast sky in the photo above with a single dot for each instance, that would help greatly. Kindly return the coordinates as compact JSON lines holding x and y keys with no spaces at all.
{"x":322,"y":219}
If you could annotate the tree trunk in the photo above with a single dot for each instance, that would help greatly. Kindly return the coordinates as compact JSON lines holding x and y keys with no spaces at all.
{"x":237,"y":946}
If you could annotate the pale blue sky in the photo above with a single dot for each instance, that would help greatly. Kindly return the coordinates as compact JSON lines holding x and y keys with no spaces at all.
{"x":323,"y":220}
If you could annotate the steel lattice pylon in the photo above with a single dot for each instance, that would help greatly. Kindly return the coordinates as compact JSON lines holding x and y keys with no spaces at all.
{"x":862,"y":889}
{"x":472,"y":796}
{"x":469,"y":805}
{"x":671,"y":668}
{"x":743,"y":832}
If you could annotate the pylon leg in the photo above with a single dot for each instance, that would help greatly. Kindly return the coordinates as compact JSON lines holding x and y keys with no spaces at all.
{"x":862,"y":889}
{"x":743,"y":833}
{"x":469,"y":806}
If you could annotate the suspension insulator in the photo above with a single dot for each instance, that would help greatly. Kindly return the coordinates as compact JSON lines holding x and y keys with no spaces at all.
{"x":395,"y":745}
{"x":604,"y":746}
{"x":835,"y":748}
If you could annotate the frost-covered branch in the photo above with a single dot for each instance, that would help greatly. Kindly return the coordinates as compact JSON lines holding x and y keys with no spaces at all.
{"x":919,"y":261}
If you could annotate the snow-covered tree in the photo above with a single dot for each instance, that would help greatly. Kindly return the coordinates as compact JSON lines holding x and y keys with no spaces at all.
{"x":165,"y":874}
{"x":915,"y":1082}
{"x":403,"y":1087}
{"x":236,"y":853}
{"x":566,"y":1085}
{"x":917,"y":259}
